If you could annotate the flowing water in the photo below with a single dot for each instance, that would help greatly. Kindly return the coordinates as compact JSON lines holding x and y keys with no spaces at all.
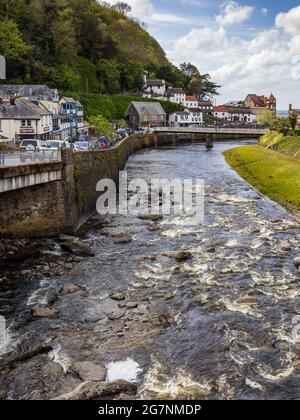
{"x":221,"y":325}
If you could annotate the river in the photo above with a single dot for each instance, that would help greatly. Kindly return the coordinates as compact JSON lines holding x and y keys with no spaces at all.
{"x":221,"y":325}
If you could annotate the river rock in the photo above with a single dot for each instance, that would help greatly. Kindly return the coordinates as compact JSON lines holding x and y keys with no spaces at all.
{"x":96,"y":390}
{"x":178,"y":255}
{"x":88,"y":371}
{"x":124,"y":238}
{"x":153,"y":228}
{"x":70,"y":288}
{"x":77,"y":248}
{"x":116,"y":314}
{"x":285,"y":246}
{"x":65,"y":238}
{"x":151,"y":217}
{"x":43,"y":312}
{"x":131,"y":305}
{"x":247,"y":300}
{"x":297,"y":262}
{"x":118,"y":296}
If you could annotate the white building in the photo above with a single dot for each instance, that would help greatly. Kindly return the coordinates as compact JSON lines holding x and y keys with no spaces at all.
{"x":186,"y":118}
{"x":22,"y":119}
{"x":155,"y":89}
{"x":234,"y":114}
{"x":191,"y":102}
{"x":176,"y":95}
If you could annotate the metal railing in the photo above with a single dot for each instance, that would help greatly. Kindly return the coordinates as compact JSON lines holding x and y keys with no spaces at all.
{"x":217,"y":130}
{"x":29,"y":158}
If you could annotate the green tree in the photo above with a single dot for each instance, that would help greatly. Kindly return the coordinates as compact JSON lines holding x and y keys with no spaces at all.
{"x":268,"y":119}
{"x":109,"y":76}
{"x":101,"y":125}
{"x":196,"y":83}
{"x":64,"y":38}
{"x":12,"y":45}
{"x":122,"y":8}
{"x":292,"y":120}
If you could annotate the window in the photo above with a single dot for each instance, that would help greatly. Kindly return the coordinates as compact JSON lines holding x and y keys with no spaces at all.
{"x":28,"y":123}
{"x":23,"y":123}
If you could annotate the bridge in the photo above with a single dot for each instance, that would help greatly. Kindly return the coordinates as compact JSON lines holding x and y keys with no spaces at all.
{"x":45,"y":195}
{"x":211,"y":134}
{"x":234,"y":131}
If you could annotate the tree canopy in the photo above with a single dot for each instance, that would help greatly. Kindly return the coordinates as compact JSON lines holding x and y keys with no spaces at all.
{"x":87,"y":46}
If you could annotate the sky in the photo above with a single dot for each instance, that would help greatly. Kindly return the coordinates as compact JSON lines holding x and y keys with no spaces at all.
{"x":250,"y":46}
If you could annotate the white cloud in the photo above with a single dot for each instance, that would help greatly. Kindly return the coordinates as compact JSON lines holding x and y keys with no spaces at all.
{"x":144,"y":10}
{"x":290,"y":21}
{"x":261,"y":64}
{"x":233,"y":13}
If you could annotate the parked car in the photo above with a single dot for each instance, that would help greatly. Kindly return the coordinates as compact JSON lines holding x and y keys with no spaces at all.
{"x":82,"y":146}
{"x":57,"y":144}
{"x":33,"y":144}
{"x":105,"y":142}
{"x":122,"y":132}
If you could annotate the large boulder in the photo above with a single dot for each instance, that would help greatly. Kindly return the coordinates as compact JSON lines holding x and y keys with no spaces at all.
{"x":78,"y":248}
{"x":88,"y":371}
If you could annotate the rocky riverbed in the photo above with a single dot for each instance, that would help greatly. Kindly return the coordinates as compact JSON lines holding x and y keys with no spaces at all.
{"x":134,"y":307}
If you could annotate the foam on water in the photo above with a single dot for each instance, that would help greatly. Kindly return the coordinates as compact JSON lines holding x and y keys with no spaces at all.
{"x":124,"y":369}
{"x":178,"y":385}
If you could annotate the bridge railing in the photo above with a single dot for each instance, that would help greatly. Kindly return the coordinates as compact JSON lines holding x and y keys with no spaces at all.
{"x":29,"y":158}
{"x":217,"y":130}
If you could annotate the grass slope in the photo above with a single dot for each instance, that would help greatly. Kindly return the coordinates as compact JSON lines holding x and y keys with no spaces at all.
{"x":113,"y":107}
{"x":289,"y":145}
{"x":272,"y":173}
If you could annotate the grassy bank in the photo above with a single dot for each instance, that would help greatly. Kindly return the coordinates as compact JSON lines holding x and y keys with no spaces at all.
{"x":289,"y":144}
{"x":113,"y":107}
{"x":272,"y":173}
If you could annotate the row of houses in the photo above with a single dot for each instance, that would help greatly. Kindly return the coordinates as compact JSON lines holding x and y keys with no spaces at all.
{"x":243,"y":112}
{"x":36,"y":111}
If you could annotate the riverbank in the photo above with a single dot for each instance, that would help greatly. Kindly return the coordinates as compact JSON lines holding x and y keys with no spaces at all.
{"x":272,"y":173}
{"x":289,"y":144}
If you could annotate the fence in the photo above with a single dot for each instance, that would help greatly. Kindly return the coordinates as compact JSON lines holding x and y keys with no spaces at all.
{"x":29,"y":158}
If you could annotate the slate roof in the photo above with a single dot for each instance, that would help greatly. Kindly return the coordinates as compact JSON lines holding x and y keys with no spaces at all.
{"x":70,"y":100}
{"x":37,"y":91}
{"x":155,"y":83}
{"x":152,"y":108}
{"x":22,"y":109}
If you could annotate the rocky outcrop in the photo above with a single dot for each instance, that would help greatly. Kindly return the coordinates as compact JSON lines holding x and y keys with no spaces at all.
{"x":88,"y":371}
{"x":98,"y":390}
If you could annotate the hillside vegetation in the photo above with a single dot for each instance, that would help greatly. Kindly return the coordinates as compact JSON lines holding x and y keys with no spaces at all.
{"x":86,"y":46}
{"x":113,"y":107}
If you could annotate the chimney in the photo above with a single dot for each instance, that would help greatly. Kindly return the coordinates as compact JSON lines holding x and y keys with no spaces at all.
{"x":290,"y":108}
